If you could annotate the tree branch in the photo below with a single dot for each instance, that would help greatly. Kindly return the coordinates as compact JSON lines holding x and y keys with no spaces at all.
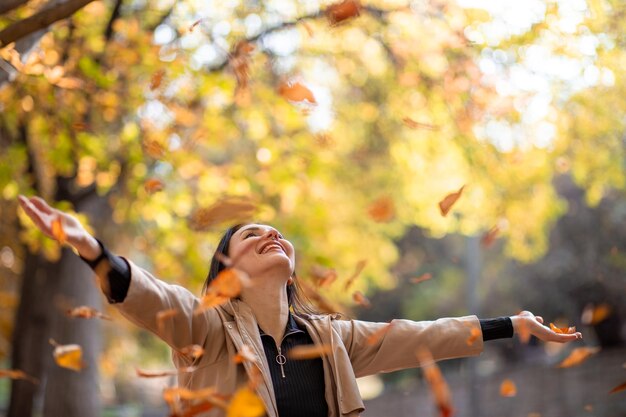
{"x":40,"y":20}
{"x":8,"y":5}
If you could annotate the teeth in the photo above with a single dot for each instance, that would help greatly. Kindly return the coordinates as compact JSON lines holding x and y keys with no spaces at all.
{"x":268,"y":247}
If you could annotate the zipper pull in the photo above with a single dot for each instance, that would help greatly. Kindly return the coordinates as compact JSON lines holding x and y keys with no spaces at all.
{"x":281,"y":360}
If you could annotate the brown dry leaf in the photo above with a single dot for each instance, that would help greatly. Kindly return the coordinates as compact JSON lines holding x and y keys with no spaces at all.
{"x":382,"y":210}
{"x":378,"y":334}
{"x":174,"y":395}
{"x":57,"y":230}
{"x":357,"y":271}
{"x":163,"y":315}
{"x":415,"y":125}
{"x":154,"y":149}
{"x":17,"y":374}
{"x":303,"y":352}
{"x":69,"y":83}
{"x":620,"y":387}
{"x":421,"y":278}
{"x":68,"y":356}
{"x":437,"y":383}
{"x":194,"y":24}
{"x":446,"y":204}
{"x":80,"y":126}
{"x":192,"y":351}
{"x":85,"y":312}
{"x":245,"y":403}
{"x":226,"y":285}
{"x":488,"y":238}
{"x":159,"y":374}
{"x":156,"y":79}
{"x":593,"y":315}
{"x":578,"y":356}
{"x":324,"y":304}
{"x":475,"y":333}
{"x":245,"y":354}
{"x":339,"y":12}
{"x":323,"y":276}
{"x":227,"y":209}
{"x":239,"y":61}
{"x":562,"y":330}
{"x":153,"y":185}
{"x":308,"y":29}
{"x":361,"y":300}
{"x":508,"y":388}
{"x":295,"y":91}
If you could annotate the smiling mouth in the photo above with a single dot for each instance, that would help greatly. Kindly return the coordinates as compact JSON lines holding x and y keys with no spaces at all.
{"x":271,"y":247}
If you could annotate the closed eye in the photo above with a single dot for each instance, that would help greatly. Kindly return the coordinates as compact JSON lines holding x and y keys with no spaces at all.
{"x":250,"y":234}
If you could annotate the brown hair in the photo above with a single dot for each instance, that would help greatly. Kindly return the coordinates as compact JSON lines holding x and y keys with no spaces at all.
{"x":298,"y":301}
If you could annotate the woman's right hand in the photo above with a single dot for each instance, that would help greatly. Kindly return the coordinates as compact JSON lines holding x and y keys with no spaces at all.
{"x":43,"y":216}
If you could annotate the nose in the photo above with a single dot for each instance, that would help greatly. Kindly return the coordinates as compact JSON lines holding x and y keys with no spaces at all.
{"x":272,"y":234}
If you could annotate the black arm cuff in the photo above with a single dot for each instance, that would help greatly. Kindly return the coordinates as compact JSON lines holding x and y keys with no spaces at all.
{"x":118,"y":276}
{"x":498,"y":328}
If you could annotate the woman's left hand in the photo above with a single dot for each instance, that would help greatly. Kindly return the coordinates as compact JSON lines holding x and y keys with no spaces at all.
{"x":526,"y":324}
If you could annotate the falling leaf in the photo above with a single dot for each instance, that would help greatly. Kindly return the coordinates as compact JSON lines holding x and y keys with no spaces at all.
{"x":227,"y":209}
{"x":245,"y":403}
{"x":593,"y":315}
{"x":436,"y":382}
{"x":475,"y":333}
{"x":562,"y":330}
{"x":85,"y":312}
{"x":378,"y":334}
{"x":357,"y":271}
{"x":339,"y":12}
{"x":226,"y":285}
{"x":323,"y":276}
{"x":239,"y":61}
{"x":153,"y":185}
{"x":488,"y":238}
{"x":424,"y":277}
{"x":194,"y":24}
{"x":324,"y":304}
{"x":173,"y":395}
{"x":69,"y":83}
{"x":308,"y":29}
{"x":295,"y":91}
{"x":303,"y":352}
{"x":382,"y":210}
{"x":578,"y":356}
{"x":245,"y":354}
{"x":508,"y":388}
{"x":192,"y":351}
{"x":17,"y":374}
{"x":163,"y":315}
{"x":154,"y":149}
{"x":446,"y":204}
{"x":68,"y":356}
{"x":80,"y":126}
{"x":159,"y":374}
{"x":415,"y":125}
{"x":361,"y":300}
{"x":620,"y":387}
{"x":156,"y":79}
{"x":57,"y":230}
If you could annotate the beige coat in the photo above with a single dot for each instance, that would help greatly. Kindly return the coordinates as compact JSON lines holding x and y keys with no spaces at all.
{"x":222,"y":331}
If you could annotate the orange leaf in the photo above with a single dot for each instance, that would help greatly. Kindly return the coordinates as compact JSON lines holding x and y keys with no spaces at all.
{"x":508,"y":388}
{"x":593,"y":315}
{"x":192,"y":351}
{"x":154,"y":149}
{"x":620,"y":387}
{"x":323,"y":276}
{"x":159,"y":374}
{"x":57,"y":230}
{"x":436,"y":382}
{"x":345,"y":10}
{"x":303,"y":352}
{"x":361,"y":300}
{"x":421,"y":278}
{"x":446,"y":204}
{"x":488,"y":238}
{"x":153,"y":185}
{"x":68,"y":356}
{"x":578,"y":356}
{"x":294,"y":91}
{"x":245,"y":354}
{"x":307,"y":28}
{"x":378,"y":334}
{"x":475,"y":333}
{"x":245,"y":403}
{"x":85,"y":312}
{"x":17,"y":374}
{"x":228,"y":209}
{"x":226,"y":285}
{"x":563,"y":330}
{"x":156,"y":79}
{"x":174,"y":394}
{"x":357,"y":270}
{"x":382,"y":210}
{"x":414,"y":125}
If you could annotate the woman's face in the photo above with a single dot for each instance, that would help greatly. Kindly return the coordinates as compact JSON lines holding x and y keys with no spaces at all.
{"x":257,"y":248}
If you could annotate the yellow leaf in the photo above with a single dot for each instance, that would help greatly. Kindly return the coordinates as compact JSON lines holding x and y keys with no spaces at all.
{"x":57,"y":231}
{"x":68,"y":356}
{"x":245,"y":403}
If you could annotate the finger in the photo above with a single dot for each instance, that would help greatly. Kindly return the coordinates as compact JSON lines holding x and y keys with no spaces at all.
{"x":34,"y":214}
{"x":539,"y":319}
{"x":564,"y":338}
{"x":41,"y":204}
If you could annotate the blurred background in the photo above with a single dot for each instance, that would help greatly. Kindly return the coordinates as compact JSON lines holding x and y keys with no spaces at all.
{"x":344,"y":125}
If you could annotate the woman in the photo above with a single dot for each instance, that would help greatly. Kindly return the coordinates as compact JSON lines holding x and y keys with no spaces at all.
{"x":261,"y":319}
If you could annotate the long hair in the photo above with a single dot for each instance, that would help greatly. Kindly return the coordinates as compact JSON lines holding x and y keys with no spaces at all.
{"x":298,"y":301}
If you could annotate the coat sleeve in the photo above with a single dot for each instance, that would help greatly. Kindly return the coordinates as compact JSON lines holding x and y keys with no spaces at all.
{"x":385,"y":347}
{"x":178,"y":326}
